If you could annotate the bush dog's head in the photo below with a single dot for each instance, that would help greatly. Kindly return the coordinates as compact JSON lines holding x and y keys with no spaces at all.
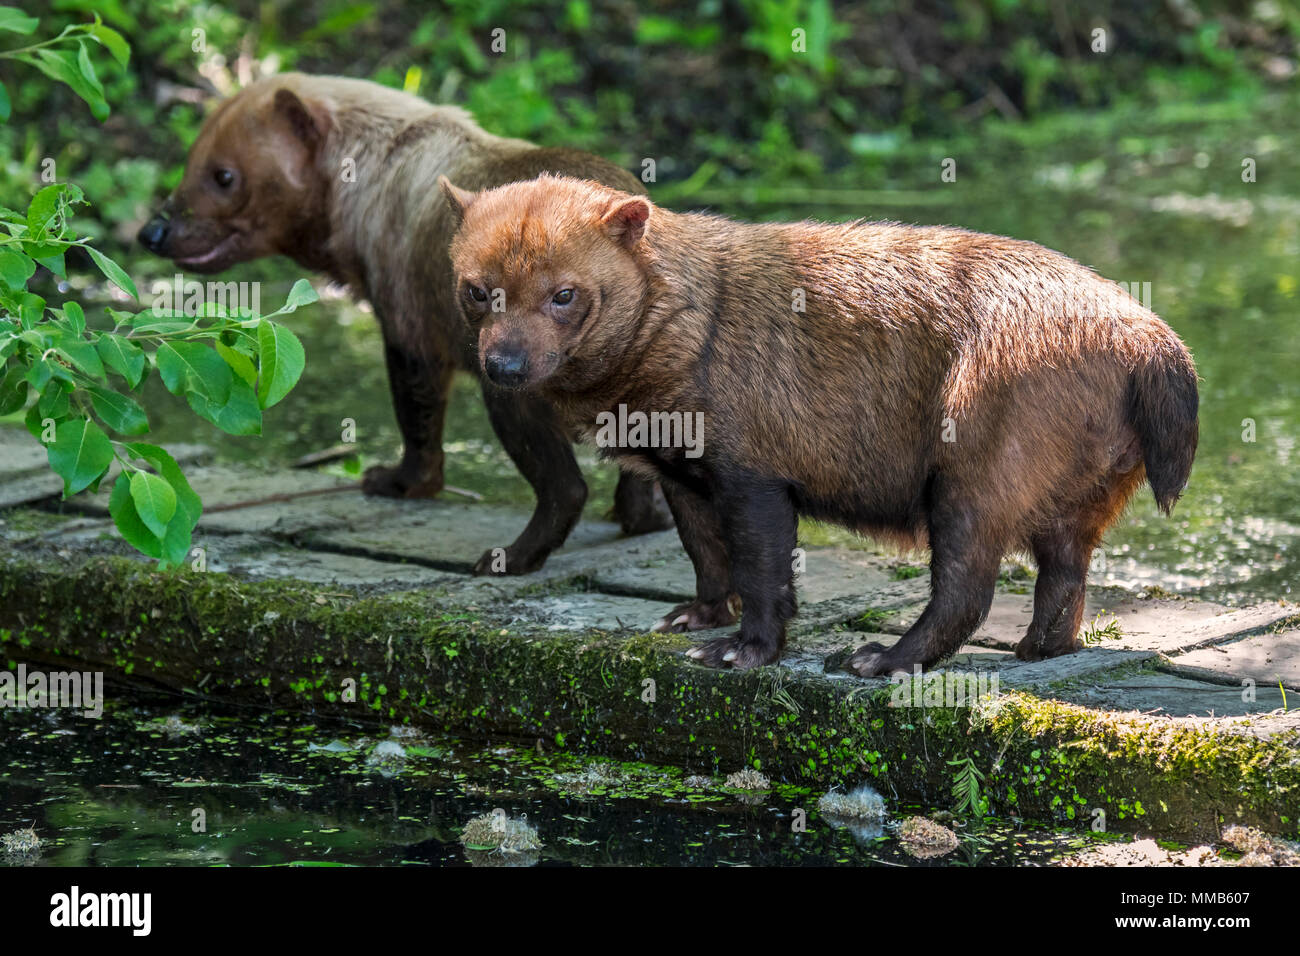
{"x":550,"y":271}
{"x":251,"y":186}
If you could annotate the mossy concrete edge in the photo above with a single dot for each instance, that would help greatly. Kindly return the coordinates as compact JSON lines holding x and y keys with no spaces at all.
{"x":424,"y":659}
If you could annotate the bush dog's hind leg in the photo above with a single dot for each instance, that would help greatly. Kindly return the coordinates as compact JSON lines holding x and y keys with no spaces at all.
{"x":419,"y":385}
{"x":716,"y":603}
{"x":1062,"y":555}
{"x":532,"y":438}
{"x":760,"y":528}
{"x":964,"y":561}
{"x":639,"y":507}
{"x":1063,"y":551}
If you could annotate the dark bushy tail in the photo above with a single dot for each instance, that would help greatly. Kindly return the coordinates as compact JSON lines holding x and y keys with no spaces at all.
{"x":1162,"y":409}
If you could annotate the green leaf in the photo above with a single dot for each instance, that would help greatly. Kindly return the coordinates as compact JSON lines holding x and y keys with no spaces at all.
{"x":282,"y":360}
{"x":55,"y":401}
{"x":61,"y":65}
{"x":15,"y":270}
{"x":79,"y":454}
{"x":123,"y":356}
{"x":122,"y":507}
{"x":54,"y":262}
{"x":44,"y":207}
{"x":88,"y":70}
{"x":176,"y":543}
{"x":239,"y":415}
{"x":113,"y":272}
{"x":239,"y":362}
{"x":81,"y":355}
{"x":13,"y":390}
{"x":194,"y":368}
{"x":113,"y":42}
{"x":119,"y":412}
{"x":16,"y":21}
{"x":34,"y":423}
{"x":155,"y":502}
{"x":302,"y":293}
{"x":6,"y":108}
{"x":75,"y":315}
{"x":31,"y":309}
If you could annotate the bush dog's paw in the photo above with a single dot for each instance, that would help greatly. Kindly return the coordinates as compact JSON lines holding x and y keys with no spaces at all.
{"x":498,"y":562}
{"x":875,"y":660}
{"x":735,"y":651}
{"x":387,"y":481}
{"x":643,"y":513}
{"x":1040,"y":648}
{"x":700,"y":616}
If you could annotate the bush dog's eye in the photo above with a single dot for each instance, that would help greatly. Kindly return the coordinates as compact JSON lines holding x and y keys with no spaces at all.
{"x":477,"y":294}
{"x":563,"y":297}
{"x":223,"y":177}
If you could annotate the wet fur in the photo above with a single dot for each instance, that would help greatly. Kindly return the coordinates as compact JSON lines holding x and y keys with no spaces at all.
{"x":1065,"y":394}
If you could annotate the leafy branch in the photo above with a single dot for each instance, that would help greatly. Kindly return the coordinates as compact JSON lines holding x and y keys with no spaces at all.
{"x":230,"y":368}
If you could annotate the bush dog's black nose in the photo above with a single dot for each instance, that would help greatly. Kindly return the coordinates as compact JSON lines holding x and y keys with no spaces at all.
{"x":507,"y":368}
{"x":153,"y":234}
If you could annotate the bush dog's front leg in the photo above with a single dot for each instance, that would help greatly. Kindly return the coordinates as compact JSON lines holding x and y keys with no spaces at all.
{"x":759,"y":528}
{"x":716,"y":603}
{"x":528,"y":430}
{"x":419,"y":384}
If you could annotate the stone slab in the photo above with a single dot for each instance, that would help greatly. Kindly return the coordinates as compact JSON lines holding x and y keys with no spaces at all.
{"x":576,"y":611}
{"x":1173,"y":696}
{"x":1167,"y":626}
{"x":829,"y":574}
{"x":30,"y":483}
{"x":1264,"y":658}
{"x":19,"y":453}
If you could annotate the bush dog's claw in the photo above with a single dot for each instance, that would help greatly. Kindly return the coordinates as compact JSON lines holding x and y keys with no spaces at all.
{"x":698,"y":616}
{"x":387,"y":481}
{"x":735,"y":651}
{"x":875,"y":660}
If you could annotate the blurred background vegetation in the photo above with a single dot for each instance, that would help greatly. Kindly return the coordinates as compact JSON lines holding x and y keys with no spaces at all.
{"x":712,"y":89}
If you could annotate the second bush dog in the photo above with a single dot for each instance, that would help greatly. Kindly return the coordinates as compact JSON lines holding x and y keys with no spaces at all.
{"x":339,"y":175}
{"x":938,"y":387}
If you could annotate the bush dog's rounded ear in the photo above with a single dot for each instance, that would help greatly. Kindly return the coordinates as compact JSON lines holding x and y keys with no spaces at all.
{"x":458,"y":200}
{"x":309,"y":122}
{"x":625,"y":219}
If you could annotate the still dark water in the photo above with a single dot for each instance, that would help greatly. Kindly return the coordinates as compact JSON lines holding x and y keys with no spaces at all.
{"x":127,"y":789}
{"x":1155,"y":199}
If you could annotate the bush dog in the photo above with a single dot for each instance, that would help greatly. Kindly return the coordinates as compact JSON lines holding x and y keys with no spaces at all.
{"x":935,"y":386}
{"x":338,"y":175}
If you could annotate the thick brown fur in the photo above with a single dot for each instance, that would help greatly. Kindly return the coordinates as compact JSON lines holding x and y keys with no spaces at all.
{"x":340,"y":175}
{"x":977,"y":394}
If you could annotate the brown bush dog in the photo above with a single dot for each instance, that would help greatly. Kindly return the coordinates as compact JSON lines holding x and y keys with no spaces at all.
{"x":972,"y":393}
{"x":338,"y":174}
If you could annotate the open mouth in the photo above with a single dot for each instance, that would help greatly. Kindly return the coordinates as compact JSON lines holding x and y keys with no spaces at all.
{"x":212,"y":255}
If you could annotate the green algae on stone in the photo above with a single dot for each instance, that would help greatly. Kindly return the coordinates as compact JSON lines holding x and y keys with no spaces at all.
{"x":419,"y":659}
